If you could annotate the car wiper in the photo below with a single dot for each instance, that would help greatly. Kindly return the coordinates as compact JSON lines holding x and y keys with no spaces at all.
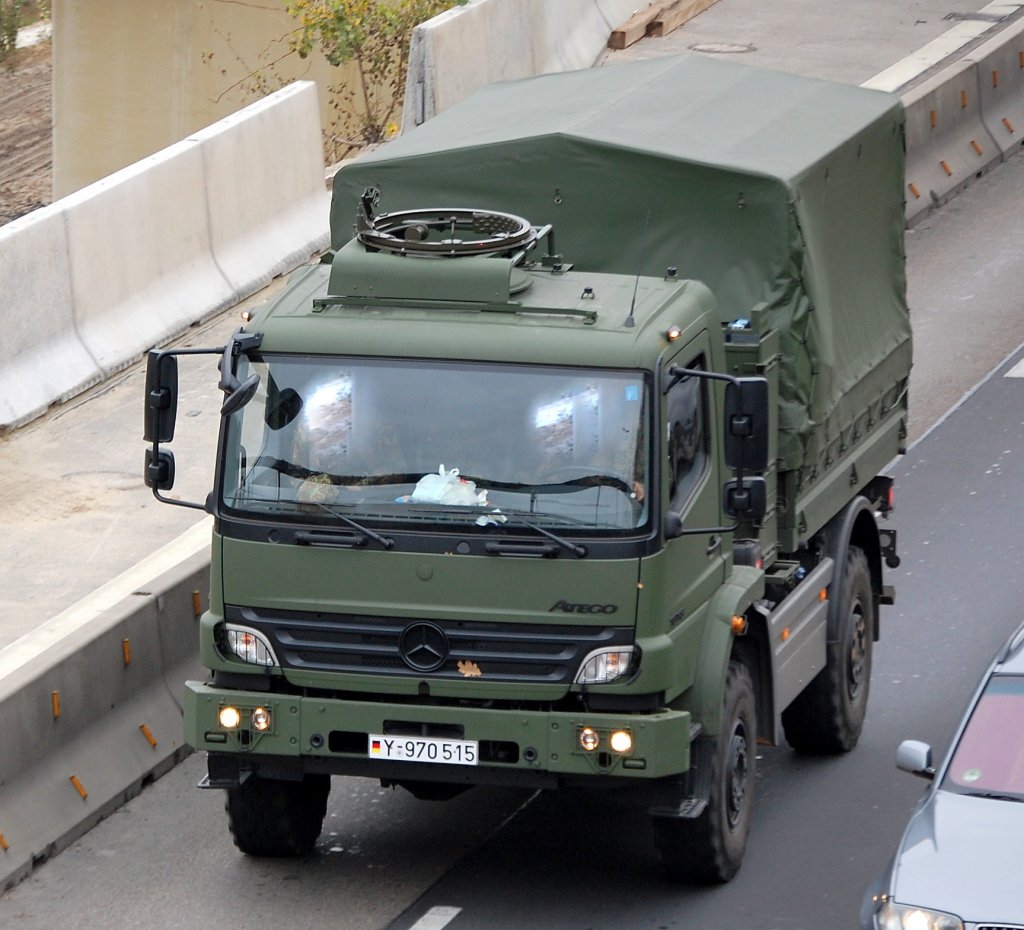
{"x":517,"y":549}
{"x":385,"y":541}
{"x":994,"y":796}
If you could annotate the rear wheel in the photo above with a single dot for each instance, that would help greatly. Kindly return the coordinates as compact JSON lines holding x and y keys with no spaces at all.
{"x":270,"y":817}
{"x":828,"y":715}
{"x":709,"y":848}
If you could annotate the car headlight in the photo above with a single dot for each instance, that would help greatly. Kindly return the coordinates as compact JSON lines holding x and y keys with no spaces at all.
{"x":604,"y":665}
{"x":892,"y":916}
{"x":249,"y":645}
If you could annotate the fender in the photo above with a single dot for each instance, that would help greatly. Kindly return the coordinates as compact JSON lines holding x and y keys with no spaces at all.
{"x":854,"y":523}
{"x":704,"y":700}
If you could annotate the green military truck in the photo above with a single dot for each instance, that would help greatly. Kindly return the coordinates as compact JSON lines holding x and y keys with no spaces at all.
{"x":564,"y":466}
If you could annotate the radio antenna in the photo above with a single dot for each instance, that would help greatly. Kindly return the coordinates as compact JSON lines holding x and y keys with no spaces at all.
{"x":630,"y":322}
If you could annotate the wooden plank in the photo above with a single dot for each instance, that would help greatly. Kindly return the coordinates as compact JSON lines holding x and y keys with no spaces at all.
{"x":637,"y":26}
{"x":681,"y":11}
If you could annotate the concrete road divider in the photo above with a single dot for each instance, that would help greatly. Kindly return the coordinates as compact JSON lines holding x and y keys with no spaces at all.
{"x":485,"y":41}
{"x":90,"y":703}
{"x":1000,"y":63}
{"x":947,"y":142}
{"x":264,"y":182}
{"x":142,"y":267}
{"x":964,"y":103}
{"x":100,"y":276}
{"x":44,"y":359}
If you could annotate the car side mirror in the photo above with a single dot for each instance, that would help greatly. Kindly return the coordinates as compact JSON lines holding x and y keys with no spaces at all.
{"x":746,"y":424}
{"x":237,"y":393}
{"x":159,"y":470}
{"x":915,"y":757}
{"x":747,"y":501}
{"x":161,"y":397}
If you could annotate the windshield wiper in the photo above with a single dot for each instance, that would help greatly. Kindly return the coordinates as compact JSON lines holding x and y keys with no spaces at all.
{"x":513,"y":548}
{"x":994,"y":796}
{"x":385,"y":541}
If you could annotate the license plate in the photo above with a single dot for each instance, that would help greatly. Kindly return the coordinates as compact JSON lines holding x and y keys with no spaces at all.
{"x":423,"y":749}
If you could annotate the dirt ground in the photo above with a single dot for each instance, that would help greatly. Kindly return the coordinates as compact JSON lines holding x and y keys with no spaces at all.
{"x":26,"y":131}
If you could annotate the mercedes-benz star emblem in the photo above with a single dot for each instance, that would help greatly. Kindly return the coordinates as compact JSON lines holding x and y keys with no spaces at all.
{"x":423,"y":647}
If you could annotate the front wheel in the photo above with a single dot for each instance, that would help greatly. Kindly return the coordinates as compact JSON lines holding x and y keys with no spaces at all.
{"x":709,"y":848}
{"x":271,"y":817}
{"x":828,"y":715}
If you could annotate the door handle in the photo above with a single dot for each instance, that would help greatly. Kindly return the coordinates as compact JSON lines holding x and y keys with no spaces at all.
{"x":714,"y":544}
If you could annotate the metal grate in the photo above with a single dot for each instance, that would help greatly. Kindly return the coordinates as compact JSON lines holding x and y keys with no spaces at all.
{"x":490,"y":651}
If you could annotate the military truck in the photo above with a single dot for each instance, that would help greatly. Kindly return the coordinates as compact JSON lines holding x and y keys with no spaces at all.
{"x":566,"y":465}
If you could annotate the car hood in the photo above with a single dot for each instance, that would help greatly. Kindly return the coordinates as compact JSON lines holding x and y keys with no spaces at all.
{"x":963,"y":855}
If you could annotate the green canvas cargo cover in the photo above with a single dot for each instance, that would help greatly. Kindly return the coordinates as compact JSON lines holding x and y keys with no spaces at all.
{"x":783,"y":194}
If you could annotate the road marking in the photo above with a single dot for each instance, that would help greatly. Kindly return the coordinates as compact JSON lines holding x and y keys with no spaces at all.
{"x":1017,"y":371}
{"x":437,"y":918}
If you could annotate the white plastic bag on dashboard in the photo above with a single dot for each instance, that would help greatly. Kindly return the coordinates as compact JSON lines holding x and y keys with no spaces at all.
{"x":446,"y":487}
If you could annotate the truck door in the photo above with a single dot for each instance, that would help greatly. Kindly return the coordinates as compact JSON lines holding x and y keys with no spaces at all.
{"x":692,"y":486}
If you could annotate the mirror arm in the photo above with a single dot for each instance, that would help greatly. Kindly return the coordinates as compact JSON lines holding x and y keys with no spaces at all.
{"x":238,"y":343}
{"x":676,"y":374}
{"x":697,"y":531}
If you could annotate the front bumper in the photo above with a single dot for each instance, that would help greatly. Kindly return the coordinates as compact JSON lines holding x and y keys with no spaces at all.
{"x":517,"y":747}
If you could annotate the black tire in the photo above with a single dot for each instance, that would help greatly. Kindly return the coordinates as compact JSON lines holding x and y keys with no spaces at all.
{"x":828,"y":715}
{"x":269,"y":817}
{"x":708,"y":849}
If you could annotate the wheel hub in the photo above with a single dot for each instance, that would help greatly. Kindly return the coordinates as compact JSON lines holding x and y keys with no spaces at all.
{"x":856,"y":667}
{"x":736,"y":779}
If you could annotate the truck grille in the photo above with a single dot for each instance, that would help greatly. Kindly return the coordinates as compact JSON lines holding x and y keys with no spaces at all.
{"x":447,"y":649}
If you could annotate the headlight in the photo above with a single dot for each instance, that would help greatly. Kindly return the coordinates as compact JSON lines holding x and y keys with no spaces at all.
{"x":261,"y":719}
{"x":604,"y":665}
{"x":248,"y":645}
{"x":621,"y":742}
{"x":229,"y":717}
{"x":589,"y":739}
{"x":892,"y":916}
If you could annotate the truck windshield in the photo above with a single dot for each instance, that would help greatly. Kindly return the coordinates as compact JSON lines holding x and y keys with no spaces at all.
{"x":443,"y":442}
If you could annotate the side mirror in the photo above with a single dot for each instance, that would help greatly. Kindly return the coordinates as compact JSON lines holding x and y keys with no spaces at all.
{"x":237,"y":393}
{"x":161,"y":405}
{"x":240,"y":395}
{"x":282,"y":406}
{"x":915,"y":757}
{"x":159,"y":470}
{"x":748,"y":501}
{"x":161,"y":397}
{"x":746,"y":424}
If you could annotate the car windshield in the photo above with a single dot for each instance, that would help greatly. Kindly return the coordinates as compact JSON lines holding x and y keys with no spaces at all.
{"x":439,"y":442}
{"x":989,"y":758}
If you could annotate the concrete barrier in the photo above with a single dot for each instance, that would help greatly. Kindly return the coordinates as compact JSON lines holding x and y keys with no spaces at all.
{"x":264,"y":181}
{"x":43,"y":358}
{"x":523,"y":38}
{"x":1000,"y":64}
{"x":142,"y":266}
{"x":955,"y":105}
{"x":947,"y":142}
{"x":90,"y":703}
{"x":100,"y":276}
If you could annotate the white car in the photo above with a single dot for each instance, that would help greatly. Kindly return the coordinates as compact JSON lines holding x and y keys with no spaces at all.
{"x":960,"y":864}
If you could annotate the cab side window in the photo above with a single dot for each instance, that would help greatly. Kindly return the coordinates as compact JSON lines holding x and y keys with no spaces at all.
{"x":687,"y":437}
